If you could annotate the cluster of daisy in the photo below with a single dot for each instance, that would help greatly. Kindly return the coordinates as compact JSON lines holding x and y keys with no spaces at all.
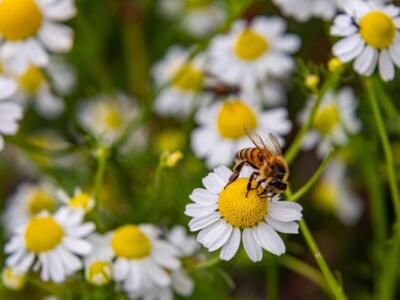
{"x":49,"y":233}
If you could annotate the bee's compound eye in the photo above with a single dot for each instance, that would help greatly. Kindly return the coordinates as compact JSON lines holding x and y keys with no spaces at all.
{"x":278,"y":184}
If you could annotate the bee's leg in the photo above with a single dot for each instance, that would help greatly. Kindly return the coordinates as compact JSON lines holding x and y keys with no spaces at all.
{"x":264,"y":191}
{"x":236,"y":172}
{"x":254,"y":174}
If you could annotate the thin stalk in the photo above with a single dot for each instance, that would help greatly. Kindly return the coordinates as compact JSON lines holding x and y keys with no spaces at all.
{"x":213,"y":261}
{"x":386,"y":146}
{"x":387,"y":105}
{"x":304,"y":269}
{"x":310,"y":183}
{"x":272,"y":280}
{"x":295,"y":147}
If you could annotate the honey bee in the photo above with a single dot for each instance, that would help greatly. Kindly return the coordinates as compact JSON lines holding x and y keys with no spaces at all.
{"x":266,"y":157}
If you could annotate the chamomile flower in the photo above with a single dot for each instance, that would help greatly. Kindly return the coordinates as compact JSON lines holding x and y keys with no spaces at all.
{"x":303,"y":10}
{"x":80,"y":200}
{"x":199,"y":18}
{"x":29,"y":200}
{"x":13,"y":280}
{"x":183,"y":78}
{"x":10,"y":112}
{"x":221,"y":132}
{"x":335,"y":120}
{"x":248,"y":53}
{"x":107,"y":116}
{"x":224,"y":215}
{"x":333,"y":193}
{"x":370,"y":32}
{"x":140,"y":258}
{"x":51,"y":243}
{"x":29,"y":29}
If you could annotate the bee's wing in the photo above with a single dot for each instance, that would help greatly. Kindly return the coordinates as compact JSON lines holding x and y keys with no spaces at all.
{"x":273,"y":145}
{"x":256,"y":139}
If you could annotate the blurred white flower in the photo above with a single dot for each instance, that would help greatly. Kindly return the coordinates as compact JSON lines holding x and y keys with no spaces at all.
{"x":221,"y":130}
{"x":333,"y":193}
{"x":248,"y":53}
{"x":181,"y":80}
{"x":370,"y":31}
{"x":303,"y":10}
{"x":198,"y":18}
{"x":225,"y":215}
{"x":51,"y":243}
{"x":335,"y":120}
{"x":107,"y":116}
{"x":27,"y":201}
{"x":80,"y":200}
{"x":29,"y":29}
{"x":13,"y":280}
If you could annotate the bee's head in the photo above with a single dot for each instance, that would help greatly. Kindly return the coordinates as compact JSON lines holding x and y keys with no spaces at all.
{"x":277,"y":186}
{"x":280,"y":169}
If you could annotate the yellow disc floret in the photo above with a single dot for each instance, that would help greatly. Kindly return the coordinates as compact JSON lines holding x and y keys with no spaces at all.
{"x":130,"y":242}
{"x":40,"y":201}
{"x":234,"y":116}
{"x":188,"y":78}
{"x":43,"y":234}
{"x":250,"y":45}
{"x":327,"y":119}
{"x":99,"y":273}
{"x":12,"y":279}
{"x":378,"y":29}
{"x":83,"y":201}
{"x":19,"y":19}
{"x":239,"y":210}
{"x":32,"y":80}
{"x":111,"y":117}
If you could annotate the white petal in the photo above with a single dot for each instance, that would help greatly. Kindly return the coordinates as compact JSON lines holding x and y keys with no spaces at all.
{"x":197,"y":210}
{"x":285,"y":227}
{"x":386,"y":67}
{"x":203,"y":196}
{"x":395,"y":52}
{"x":269,"y":239}
{"x":56,"y":269}
{"x":231,"y":246}
{"x":213,"y":183}
{"x":78,"y":246}
{"x":56,"y":37}
{"x":252,"y":248}
{"x":120,"y":269}
{"x":285,"y":211}
{"x":223,"y":172}
{"x":7,"y":87}
{"x":366,"y":61}
{"x":199,"y":223}
{"x":158,"y":275}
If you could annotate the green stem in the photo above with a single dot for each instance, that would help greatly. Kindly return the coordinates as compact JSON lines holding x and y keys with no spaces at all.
{"x":272,"y":280}
{"x":310,"y":183}
{"x":304,"y":269}
{"x":213,"y":261}
{"x":386,"y":146}
{"x":102,"y":156}
{"x":387,"y":105}
{"x":295,"y":147}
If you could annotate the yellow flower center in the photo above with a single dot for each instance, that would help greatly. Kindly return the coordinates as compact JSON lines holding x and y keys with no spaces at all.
{"x":112,"y":117}
{"x":250,"y":45}
{"x":82,"y":201}
{"x":378,"y":29}
{"x":43,"y":234}
{"x":170,"y":140}
{"x":32,"y":80}
{"x":19,"y":19}
{"x":188,"y":78}
{"x":99,"y":273}
{"x":325,"y":195}
{"x":327,"y":119}
{"x":130,"y":242}
{"x":239,"y":210}
{"x":233,"y":117}
{"x":40,"y":201}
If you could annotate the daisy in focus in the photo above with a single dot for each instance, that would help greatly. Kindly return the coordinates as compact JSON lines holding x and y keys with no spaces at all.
{"x":221,"y":132}
{"x":370,"y":37}
{"x":335,"y":120}
{"x":303,"y":10}
{"x":199,"y":18}
{"x":80,"y":200}
{"x":139,"y":257}
{"x":106,"y":117}
{"x":225,"y":216}
{"x":333,"y":193}
{"x":184,"y":78}
{"x":51,"y":243}
{"x":248,"y":53}
{"x":28,"y":201}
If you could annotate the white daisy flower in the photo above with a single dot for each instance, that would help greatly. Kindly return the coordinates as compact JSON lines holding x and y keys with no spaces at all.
{"x":27,"y":201}
{"x":29,"y":29}
{"x":13,"y":280}
{"x":80,"y":200}
{"x":221,"y":128}
{"x":370,"y":32}
{"x":10,"y":112}
{"x":181,"y":80}
{"x":334,"y":122}
{"x":198,"y":18}
{"x":140,"y":258}
{"x":225,"y":215}
{"x":51,"y":243}
{"x":333,"y":193}
{"x":303,"y":10}
{"x":184,"y":243}
{"x":107,"y":116}
{"x":250,"y":52}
